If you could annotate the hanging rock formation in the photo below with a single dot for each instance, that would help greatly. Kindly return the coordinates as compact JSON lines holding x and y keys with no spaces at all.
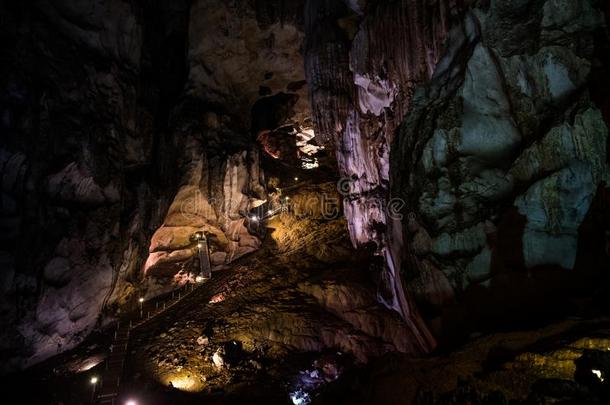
{"x":468,"y":141}
{"x":362,"y":65}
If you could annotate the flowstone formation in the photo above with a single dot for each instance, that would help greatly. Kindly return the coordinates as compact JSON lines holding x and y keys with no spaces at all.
{"x":125,"y":130}
{"x":472,"y":140}
{"x":362,"y":60}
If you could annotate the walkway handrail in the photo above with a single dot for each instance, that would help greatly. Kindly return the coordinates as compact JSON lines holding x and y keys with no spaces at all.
{"x":111,"y":380}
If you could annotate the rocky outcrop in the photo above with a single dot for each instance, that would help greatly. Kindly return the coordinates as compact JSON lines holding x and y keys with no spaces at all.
{"x":82,"y":162}
{"x":361,"y":84}
{"x":245,"y":60}
{"x":478,"y":115}
{"x":502,"y":156}
{"x":215,"y":196}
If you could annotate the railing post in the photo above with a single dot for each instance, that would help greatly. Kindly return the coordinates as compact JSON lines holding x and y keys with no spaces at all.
{"x":205,"y":268}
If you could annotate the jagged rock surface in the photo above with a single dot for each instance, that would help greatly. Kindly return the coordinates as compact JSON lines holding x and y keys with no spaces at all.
{"x":126,"y":130}
{"x":361,"y":83}
{"x":82,"y":173}
{"x":480,"y":116}
{"x":502,"y":158}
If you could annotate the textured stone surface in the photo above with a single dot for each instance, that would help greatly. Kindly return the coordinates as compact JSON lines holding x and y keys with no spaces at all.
{"x":127,"y":129}
{"x":471,"y":137}
{"x":473,"y":114}
{"x":558,"y":370}
{"x":218,"y":210}
{"x":268,"y":310}
{"x":236,"y":50}
{"x":361,"y":84}
{"x":84,"y":166}
{"x":501,"y":164}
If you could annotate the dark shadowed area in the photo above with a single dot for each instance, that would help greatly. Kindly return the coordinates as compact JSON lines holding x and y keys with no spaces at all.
{"x":305,"y":202}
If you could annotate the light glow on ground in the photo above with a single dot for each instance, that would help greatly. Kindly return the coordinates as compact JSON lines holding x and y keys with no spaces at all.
{"x":184,"y":381}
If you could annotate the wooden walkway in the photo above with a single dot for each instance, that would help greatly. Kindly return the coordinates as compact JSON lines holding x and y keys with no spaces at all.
{"x":110,"y":385}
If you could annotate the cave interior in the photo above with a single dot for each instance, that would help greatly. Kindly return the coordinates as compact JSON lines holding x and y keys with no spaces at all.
{"x":303,"y":202}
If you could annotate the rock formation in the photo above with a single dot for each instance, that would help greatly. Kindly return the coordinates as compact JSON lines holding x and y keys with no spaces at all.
{"x":502,"y":158}
{"x":214,"y":195}
{"x":85,"y":166}
{"x":361,"y":84}
{"x":468,"y":138}
{"x":126,"y":129}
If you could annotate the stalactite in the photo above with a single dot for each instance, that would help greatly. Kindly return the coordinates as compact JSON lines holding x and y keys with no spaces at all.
{"x":359,"y":93}
{"x":327,"y":71}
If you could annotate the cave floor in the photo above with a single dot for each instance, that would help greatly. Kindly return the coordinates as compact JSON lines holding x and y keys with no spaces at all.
{"x":508,"y":363}
{"x":292,"y":323}
{"x":260,"y":319}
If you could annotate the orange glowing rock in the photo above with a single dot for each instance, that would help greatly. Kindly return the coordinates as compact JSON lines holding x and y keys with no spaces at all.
{"x":217,"y":298}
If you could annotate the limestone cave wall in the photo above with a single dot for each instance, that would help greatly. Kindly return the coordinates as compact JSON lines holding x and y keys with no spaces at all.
{"x":125,"y":127}
{"x":502,"y":160}
{"x":472,"y":140}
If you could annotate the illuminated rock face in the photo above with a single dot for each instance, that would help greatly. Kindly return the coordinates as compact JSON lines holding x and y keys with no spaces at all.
{"x":471,"y":139}
{"x":214,"y":200}
{"x":502,"y":158}
{"x":116,"y":147}
{"x":235,"y":50}
{"x":479,"y":120}
{"x":361,"y":78}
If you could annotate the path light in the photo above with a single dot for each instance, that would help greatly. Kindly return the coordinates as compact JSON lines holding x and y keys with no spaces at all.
{"x":141,"y":301}
{"x":300,"y":397}
{"x":199,"y":279}
{"x":598,"y":373}
{"x":131,"y":402}
{"x":93,"y":382}
{"x":296,"y":179}
{"x":203,"y":254}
